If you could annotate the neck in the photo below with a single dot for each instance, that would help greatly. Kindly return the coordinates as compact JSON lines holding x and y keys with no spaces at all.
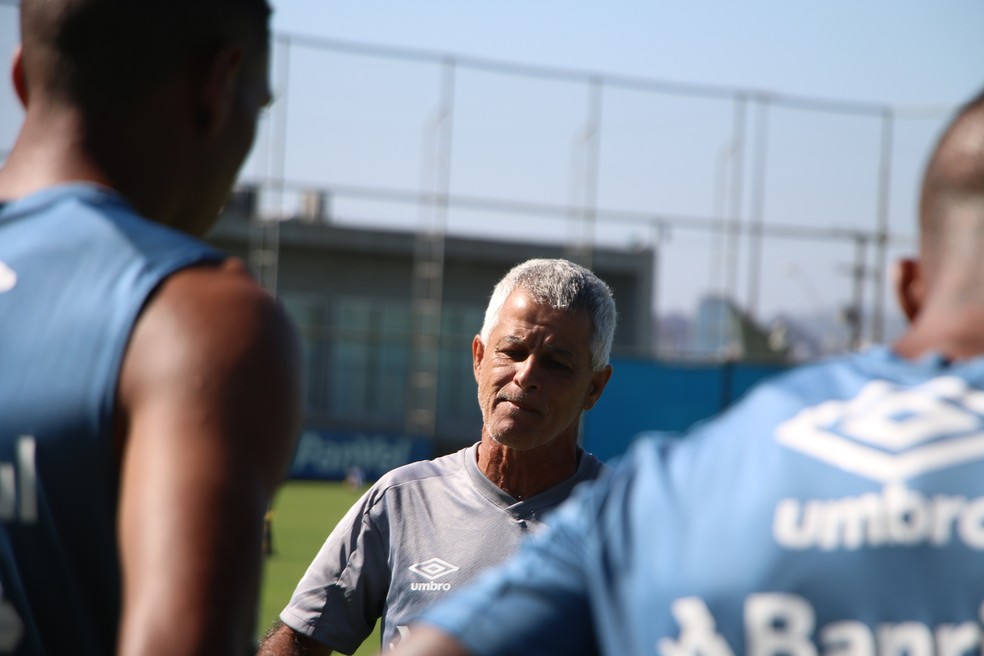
{"x":951,"y":344}
{"x":949,"y":321}
{"x":523,"y":474}
{"x":56,"y":146}
{"x":952,"y":330}
{"x":48,"y":152}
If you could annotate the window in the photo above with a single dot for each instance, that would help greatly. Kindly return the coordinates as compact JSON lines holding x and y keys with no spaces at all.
{"x":357,"y":359}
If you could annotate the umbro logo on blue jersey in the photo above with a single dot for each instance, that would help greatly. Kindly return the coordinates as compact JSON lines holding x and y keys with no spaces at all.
{"x":8,"y":277}
{"x":433,"y":568}
{"x":891,"y":433}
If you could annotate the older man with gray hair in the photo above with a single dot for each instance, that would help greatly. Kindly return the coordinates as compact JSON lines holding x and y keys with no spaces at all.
{"x":425,"y":529}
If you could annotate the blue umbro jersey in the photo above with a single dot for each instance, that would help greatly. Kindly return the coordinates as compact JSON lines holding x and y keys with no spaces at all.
{"x":837,"y":509}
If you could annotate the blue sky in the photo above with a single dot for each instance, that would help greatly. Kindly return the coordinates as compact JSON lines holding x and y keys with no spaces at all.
{"x":356,"y":121}
{"x":899,"y":51}
{"x":912,"y":54}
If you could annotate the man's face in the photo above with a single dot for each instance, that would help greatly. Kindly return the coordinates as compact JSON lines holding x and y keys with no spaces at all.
{"x":251,"y":96}
{"x":247,"y":95}
{"x":534,"y":376}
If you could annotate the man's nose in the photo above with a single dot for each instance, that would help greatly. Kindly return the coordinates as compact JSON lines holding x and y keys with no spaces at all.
{"x":528,"y":373}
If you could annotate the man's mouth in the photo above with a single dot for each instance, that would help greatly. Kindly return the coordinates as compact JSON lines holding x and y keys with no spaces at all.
{"x":517,"y":403}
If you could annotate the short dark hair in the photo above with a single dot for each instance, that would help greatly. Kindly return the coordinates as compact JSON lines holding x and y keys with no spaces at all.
{"x":107,"y":52}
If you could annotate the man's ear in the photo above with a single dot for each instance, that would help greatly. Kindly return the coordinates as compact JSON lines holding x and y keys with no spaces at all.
{"x":217,"y":94}
{"x":599,"y":380}
{"x":17,"y":75}
{"x":910,"y":287}
{"x":478,"y":352}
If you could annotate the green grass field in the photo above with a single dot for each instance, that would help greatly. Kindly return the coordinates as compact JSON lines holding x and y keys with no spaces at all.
{"x":304,"y":515}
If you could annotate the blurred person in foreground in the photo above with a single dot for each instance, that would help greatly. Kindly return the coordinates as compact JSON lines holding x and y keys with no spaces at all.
{"x":839,"y":508}
{"x":426,"y":528}
{"x":149,"y":388}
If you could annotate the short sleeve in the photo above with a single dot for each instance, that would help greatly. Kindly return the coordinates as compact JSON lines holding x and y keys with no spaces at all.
{"x":341,"y":596}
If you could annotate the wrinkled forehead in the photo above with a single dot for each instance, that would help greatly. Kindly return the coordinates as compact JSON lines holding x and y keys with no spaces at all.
{"x":523,"y":314}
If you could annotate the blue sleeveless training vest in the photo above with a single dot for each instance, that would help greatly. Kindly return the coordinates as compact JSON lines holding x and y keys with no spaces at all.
{"x":76,"y":267}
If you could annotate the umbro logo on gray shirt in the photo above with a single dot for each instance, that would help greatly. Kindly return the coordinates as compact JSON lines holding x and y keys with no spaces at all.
{"x":433,"y":568}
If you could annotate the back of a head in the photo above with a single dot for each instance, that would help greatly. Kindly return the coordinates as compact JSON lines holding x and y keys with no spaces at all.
{"x":952,"y":202}
{"x":103,"y":55}
{"x":562,"y":285}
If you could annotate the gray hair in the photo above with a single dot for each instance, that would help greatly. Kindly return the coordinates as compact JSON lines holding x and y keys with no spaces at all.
{"x":562,"y":285}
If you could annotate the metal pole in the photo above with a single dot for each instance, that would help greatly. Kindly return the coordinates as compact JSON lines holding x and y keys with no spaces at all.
{"x":278,"y":136}
{"x":584,"y":248}
{"x":659,"y":233}
{"x":265,"y":233}
{"x":446,"y":135}
{"x":428,"y":266}
{"x":860,"y":271}
{"x":718,"y":237}
{"x":738,"y":129}
{"x":758,"y":207}
{"x":881,"y":235}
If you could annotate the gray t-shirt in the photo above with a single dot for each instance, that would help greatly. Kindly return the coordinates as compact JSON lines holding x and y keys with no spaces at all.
{"x":420,"y":532}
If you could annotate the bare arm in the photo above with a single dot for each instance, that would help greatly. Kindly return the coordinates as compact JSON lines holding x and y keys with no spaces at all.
{"x":209,"y":408}
{"x":429,"y":641}
{"x":285,"y":641}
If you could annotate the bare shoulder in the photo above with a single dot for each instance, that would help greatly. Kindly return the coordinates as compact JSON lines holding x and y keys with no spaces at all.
{"x":214,"y":350}
{"x":220,"y":303}
{"x":213,"y":313}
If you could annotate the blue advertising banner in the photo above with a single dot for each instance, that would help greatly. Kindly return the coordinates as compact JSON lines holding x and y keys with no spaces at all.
{"x":332,"y":456}
{"x":662,"y":397}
